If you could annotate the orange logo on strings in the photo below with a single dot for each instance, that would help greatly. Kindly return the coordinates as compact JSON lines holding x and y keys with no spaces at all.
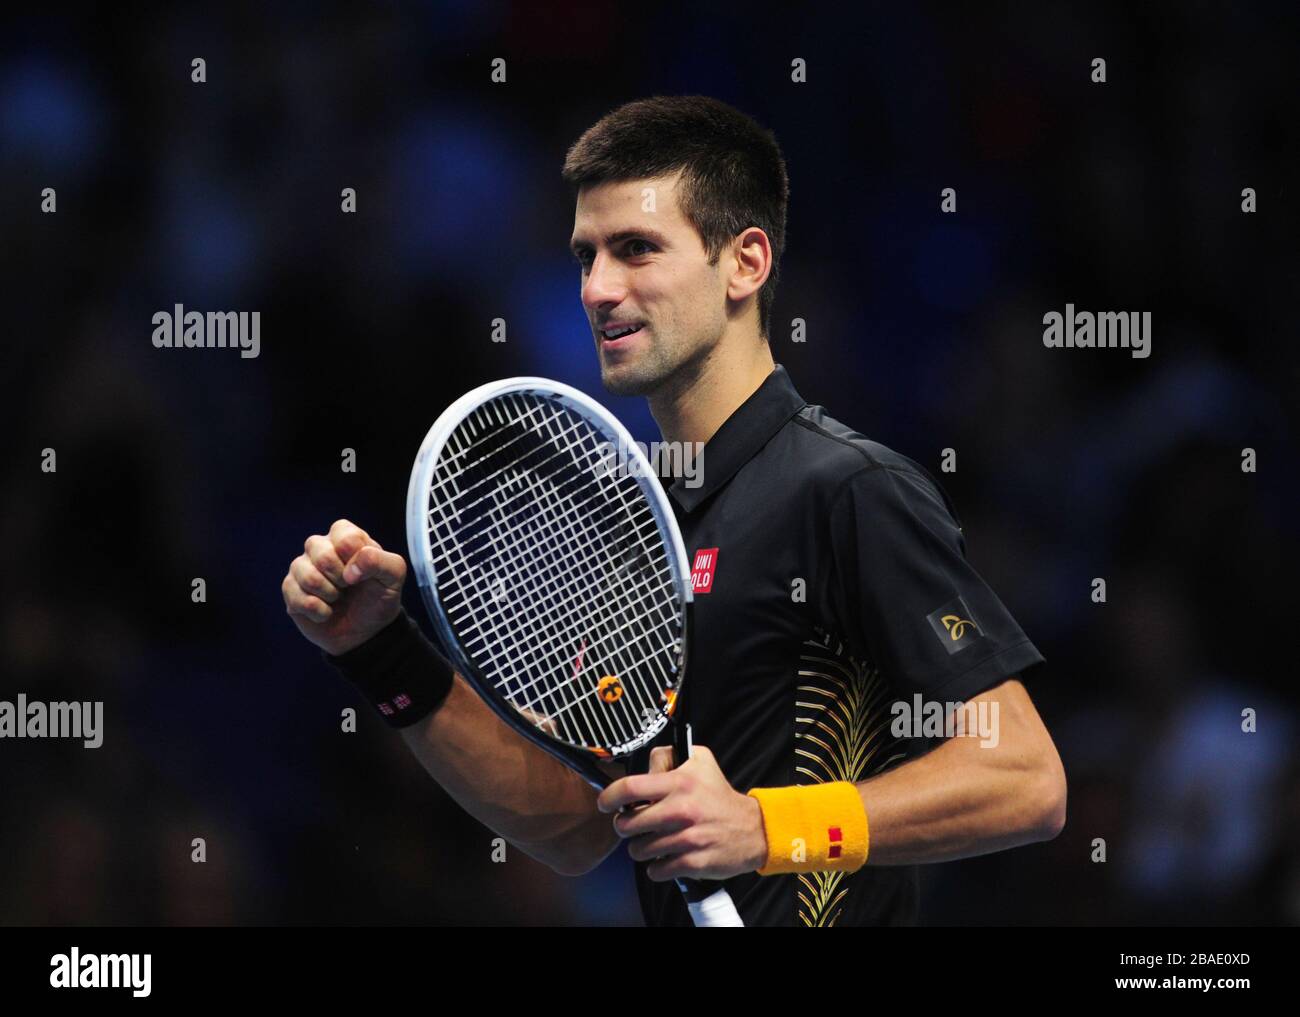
{"x":609,"y":689}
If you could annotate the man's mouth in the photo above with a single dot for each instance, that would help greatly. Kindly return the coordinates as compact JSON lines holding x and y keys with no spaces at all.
{"x":614,"y":332}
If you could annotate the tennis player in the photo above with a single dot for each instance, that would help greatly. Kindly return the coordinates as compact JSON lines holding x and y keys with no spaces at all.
{"x":855,"y":688}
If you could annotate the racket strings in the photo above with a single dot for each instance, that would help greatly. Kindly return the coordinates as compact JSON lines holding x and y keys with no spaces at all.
{"x":529,"y":695}
{"x":601,"y":621}
{"x":581,"y":557}
{"x":442,"y":481}
{"x":586,"y":542}
{"x":449,"y":456}
{"x":635,"y":604}
{"x":537,"y":692}
{"x":642,"y":518}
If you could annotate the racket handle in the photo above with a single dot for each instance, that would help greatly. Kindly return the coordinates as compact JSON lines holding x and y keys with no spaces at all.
{"x":710,"y":905}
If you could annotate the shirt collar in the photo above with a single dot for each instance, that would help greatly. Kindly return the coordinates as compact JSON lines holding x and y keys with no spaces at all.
{"x":740,"y":437}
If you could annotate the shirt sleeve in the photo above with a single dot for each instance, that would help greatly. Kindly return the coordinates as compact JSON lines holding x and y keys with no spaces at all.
{"x":903,"y":594}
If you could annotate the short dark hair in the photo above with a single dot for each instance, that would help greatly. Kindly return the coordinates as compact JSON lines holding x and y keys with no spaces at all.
{"x":733,"y":173}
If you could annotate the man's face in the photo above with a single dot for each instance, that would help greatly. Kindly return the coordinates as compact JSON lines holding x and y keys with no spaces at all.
{"x":644,"y":266}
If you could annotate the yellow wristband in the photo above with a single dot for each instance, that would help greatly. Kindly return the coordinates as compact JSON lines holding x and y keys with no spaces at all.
{"x":813,"y":828}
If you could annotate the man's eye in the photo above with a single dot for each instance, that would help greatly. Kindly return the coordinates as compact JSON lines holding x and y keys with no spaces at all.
{"x":632,"y":246}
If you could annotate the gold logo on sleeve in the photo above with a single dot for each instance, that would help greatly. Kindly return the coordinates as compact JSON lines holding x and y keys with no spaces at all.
{"x":957,"y":626}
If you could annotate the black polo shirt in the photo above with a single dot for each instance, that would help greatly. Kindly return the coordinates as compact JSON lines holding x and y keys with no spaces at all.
{"x":823,"y":564}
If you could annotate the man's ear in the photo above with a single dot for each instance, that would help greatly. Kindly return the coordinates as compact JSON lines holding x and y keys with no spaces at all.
{"x":752,"y":254}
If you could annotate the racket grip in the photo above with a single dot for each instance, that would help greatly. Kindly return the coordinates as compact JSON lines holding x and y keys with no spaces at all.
{"x":710,"y":905}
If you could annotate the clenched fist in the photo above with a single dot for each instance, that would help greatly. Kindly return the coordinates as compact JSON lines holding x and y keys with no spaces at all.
{"x":343,"y":588}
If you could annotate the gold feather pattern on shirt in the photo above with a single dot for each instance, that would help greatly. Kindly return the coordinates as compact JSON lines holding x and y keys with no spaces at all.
{"x":841,"y":733}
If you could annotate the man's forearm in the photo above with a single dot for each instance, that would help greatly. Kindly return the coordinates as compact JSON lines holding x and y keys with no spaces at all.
{"x":509,"y":784}
{"x":963,"y":799}
{"x":929,"y":810}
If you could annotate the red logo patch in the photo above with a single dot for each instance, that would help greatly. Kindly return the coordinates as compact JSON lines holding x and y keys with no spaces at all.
{"x":703,"y":566}
{"x":835,"y":836}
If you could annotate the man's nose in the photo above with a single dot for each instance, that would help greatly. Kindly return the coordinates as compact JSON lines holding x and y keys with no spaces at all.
{"x":605,"y":283}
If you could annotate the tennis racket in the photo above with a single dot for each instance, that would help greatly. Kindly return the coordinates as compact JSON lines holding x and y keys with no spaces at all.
{"x":554,"y":572}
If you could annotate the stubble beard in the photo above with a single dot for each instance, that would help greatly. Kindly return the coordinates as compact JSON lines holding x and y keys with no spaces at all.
{"x":656,"y":372}
{"x":639,"y":379}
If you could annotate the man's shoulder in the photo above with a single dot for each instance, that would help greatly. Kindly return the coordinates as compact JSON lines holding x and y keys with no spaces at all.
{"x":830,"y":452}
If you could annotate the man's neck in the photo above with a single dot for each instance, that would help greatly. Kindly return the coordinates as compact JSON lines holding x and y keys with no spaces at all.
{"x":695,"y":405}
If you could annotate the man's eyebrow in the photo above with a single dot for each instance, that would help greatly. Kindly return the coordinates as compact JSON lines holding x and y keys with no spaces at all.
{"x":654,"y":236}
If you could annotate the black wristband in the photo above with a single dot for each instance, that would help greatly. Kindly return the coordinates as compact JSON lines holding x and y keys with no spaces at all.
{"x":399,"y":672}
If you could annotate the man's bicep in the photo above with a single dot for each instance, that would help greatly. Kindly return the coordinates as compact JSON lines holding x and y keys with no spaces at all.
{"x":1016,"y":722}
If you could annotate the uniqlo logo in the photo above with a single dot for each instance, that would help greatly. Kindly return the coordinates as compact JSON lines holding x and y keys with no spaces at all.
{"x":836,"y":838}
{"x":702,"y":569}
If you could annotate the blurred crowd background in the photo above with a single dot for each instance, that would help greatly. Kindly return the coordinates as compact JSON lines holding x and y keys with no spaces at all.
{"x":924,"y":332}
